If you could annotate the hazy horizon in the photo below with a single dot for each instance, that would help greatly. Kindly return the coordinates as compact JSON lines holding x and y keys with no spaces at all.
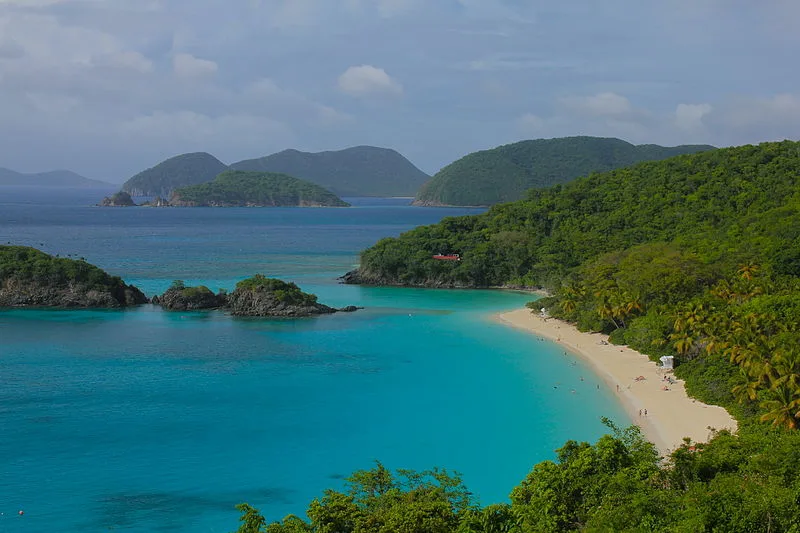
{"x":107,"y":89}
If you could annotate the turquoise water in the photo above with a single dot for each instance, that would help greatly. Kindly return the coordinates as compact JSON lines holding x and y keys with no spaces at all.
{"x":143,"y":420}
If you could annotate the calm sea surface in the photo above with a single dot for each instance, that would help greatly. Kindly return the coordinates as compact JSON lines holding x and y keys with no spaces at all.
{"x":144,"y":420}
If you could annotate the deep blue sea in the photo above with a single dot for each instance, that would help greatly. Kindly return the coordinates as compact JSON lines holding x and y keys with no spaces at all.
{"x":144,"y":420}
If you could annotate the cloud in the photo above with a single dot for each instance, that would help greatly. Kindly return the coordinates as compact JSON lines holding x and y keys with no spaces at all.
{"x":188,"y":66}
{"x":690,"y":116}
{"x":604,"y":104}
{"x":126,"y":60}
{"x":367,"y":80}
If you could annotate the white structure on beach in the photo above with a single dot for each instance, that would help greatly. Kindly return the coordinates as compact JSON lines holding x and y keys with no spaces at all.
{"x":667,"y":362}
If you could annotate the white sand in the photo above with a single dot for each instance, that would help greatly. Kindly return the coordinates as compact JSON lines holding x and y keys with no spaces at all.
{"x":671,"y":414}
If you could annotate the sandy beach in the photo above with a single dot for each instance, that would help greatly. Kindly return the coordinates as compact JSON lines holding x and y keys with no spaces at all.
{"x":671,"y":414}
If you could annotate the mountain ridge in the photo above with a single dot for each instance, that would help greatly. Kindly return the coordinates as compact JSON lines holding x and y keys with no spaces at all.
{"x":51,"y":178}
{"x":192,"y":168}
{"x":504,"y":173}
{"x":355,"y":171}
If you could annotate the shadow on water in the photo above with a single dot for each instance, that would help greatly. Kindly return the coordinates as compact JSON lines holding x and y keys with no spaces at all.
{"x":170,"y":511}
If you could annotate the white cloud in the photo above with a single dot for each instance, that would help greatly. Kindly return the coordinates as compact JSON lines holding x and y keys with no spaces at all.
{"x":188,"y":66}
{"x":531,"y":124}
{"x":129,"y":60}
{"x":603,"y":104}
{"x":690,"y":116}
{"x":366,"y":80}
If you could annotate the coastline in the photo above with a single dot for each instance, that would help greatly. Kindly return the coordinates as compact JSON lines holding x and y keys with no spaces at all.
{"x":671,"y":414}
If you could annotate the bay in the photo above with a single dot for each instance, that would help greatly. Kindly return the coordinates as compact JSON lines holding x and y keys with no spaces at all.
{"x":144,"y":420}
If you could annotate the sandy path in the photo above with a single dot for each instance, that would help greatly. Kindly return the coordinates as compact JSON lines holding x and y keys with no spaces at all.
{"x":671,"y":414}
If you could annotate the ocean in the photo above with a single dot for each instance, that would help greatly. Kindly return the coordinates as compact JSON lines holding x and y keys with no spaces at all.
{"x":144,"y":420}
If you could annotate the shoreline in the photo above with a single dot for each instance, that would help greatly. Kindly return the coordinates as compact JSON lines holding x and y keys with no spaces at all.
{"x":671,"y":414}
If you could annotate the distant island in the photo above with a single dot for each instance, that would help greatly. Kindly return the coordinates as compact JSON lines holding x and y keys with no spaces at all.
{"x":55,"y":178}
{"x":356,"y":171}
{"x":119,"y":199}
{"x":31,"y":278}
{"x":235,"y":188}
{"x":257,"y":296}
{"x":175,"y":172}
{"x":503,"y":174}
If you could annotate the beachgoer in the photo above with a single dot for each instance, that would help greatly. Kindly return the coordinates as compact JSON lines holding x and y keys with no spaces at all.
{"x":640,"y":412}
{"x":645,"y":412}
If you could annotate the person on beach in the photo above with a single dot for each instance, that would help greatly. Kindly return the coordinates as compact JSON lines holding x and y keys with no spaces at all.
{"x":645,"y":412}
{"x":640,"y":412}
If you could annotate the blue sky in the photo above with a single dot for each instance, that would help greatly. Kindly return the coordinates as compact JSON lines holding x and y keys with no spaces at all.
{"x":109,"y":87}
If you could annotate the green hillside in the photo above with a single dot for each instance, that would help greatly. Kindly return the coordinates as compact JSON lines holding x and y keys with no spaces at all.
{"x":503,"y":174}
{"x":357,"y":171}
{"x":234,"y":188}
{"x":54,"y":178}
{"x":697,"y":256}
{"x":178,"y":171}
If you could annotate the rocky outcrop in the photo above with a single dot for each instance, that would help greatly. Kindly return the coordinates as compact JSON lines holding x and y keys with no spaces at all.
{"x":157,"y":202}
{"x":16,"y":292}
{"x":120,"y":199}
{"x":32,"y":278}
{"x":362,"y":277}
{"x":264,"y":302}
{"x":190,"y":299}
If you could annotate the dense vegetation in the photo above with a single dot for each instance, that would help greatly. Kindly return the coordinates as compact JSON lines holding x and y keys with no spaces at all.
{"x":741,"y":483}
{"x":239,"y":188}
{"x":503,"y":174}
{"x":356,"y":171}
{"x":178,"y":171}
{"x":282,"y":291}
{"x":696,"y":256}
{"x":55,"y":178}
{"x":31,"y":277}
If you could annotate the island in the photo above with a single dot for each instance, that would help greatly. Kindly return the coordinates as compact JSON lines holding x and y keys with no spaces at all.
{"x":503,"y":174}
{"x":179,"y":171}
{"x":32,"y":278}
{"x":119,"y":199}
{"x":53,"y":178}
{"x":179,"y":297}
{"x":258,"y":296}
{"x":234,"y":188}
{"x":354,"y":171}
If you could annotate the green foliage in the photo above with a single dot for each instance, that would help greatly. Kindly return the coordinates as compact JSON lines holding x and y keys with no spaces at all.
{"x":282,"y":291}
{"x":22,"y":263}
{"x":714,"y":204}
{"x":239,"y":188}
{"x":178,"y":171}
{"x":503,"y":174}
{"x":196,"y":292}
{"x":357,"y":171}
{"x":746,"y":482}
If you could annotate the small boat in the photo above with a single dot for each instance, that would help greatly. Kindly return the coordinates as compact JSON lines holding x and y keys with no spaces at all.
{"x":447,"y":257}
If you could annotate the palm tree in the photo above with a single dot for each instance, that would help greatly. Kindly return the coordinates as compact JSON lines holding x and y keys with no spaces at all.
{"x":747,"y":389}
{"x":748,"y":271}
{"x":782,"y":406}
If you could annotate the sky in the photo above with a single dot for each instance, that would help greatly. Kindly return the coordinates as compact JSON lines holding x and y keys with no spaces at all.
{"x":107,"y":88}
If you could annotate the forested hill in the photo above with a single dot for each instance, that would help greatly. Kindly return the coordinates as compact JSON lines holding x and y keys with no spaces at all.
{"x":235,"y":188}
{"x":708,"y":201}
{"x":696,"y":256}
{"x":503,"y":174}
{"x":356,"y":171}
{"x":178,"y":171}
{"x":55,"y":178}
